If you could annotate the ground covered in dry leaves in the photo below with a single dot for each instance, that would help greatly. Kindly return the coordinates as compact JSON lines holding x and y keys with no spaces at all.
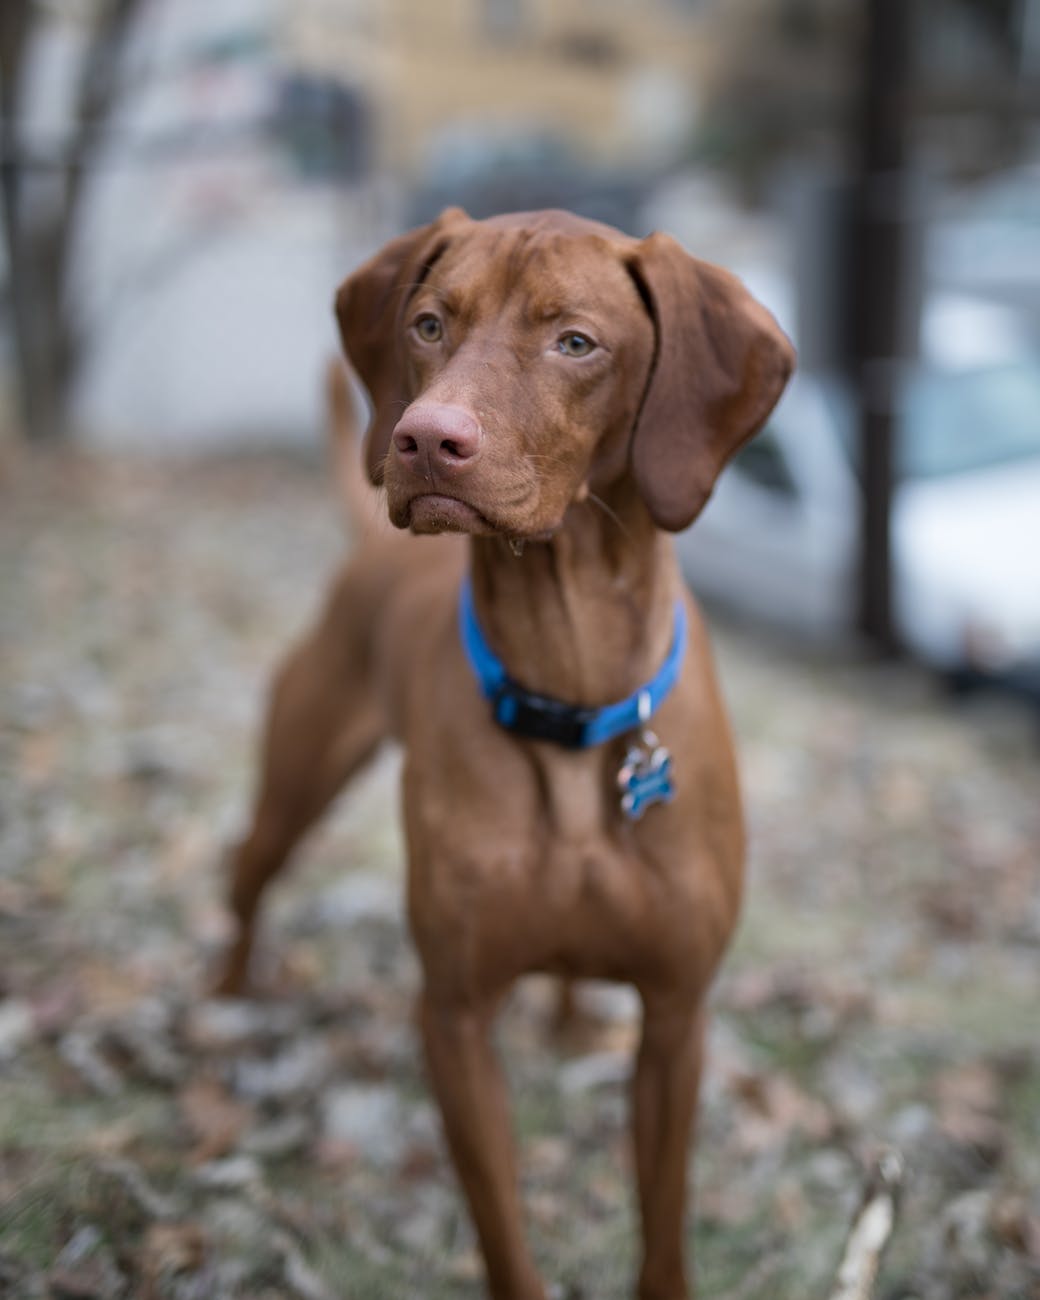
{"x":152,"y":1143}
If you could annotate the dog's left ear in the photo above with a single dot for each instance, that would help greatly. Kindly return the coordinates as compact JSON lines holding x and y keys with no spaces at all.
{"x":720,"y":365}
{"x":368,"y":307}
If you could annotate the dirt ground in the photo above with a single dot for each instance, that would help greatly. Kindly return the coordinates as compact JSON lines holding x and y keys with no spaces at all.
{"x":883,"y":991}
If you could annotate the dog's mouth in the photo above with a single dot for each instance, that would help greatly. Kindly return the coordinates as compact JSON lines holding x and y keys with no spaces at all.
{"x":435,"y":512}
{"x":441,"y":512}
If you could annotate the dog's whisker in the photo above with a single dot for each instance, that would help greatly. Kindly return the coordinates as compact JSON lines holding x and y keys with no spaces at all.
{"x":593,"y":499}
{"x":546,"y":462}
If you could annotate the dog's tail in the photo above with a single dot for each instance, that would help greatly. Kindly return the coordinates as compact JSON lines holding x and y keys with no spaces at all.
{"x":356,"y":496}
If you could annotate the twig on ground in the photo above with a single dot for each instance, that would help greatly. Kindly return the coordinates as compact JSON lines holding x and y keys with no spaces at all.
{"x":870,"y":1231}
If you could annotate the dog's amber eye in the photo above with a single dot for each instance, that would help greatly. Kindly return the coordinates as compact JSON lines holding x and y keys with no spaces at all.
{"x":428,"y":328}
{"x":575,"y":345}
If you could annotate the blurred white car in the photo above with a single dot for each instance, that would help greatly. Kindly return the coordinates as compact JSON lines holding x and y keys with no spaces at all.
{"x":779,"y":539}
{"x":986,"y":239}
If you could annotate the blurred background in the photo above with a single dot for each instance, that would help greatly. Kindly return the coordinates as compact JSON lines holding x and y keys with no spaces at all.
{"x":183,"y":187}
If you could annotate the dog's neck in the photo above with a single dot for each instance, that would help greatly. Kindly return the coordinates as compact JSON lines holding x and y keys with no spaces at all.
{"x":587,"y":616}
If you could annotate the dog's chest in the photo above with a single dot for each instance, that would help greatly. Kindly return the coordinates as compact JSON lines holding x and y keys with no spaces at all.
{"x":591,"y":884}
{"x":544,"y":872}
{"x":575,"y":798}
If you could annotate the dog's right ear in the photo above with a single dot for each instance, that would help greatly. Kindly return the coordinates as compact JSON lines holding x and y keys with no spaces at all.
{"x":369,"y":304}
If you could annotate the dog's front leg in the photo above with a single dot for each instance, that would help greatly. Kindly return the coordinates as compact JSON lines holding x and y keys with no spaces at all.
{"x":471,"y":1090}
{"x":664,"y":1103}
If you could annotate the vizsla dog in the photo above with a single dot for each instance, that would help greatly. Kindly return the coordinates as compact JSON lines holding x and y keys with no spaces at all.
{"x":565,"y":396}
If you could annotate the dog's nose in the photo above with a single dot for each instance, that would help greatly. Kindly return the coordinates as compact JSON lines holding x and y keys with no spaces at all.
{"x":436,"y":437}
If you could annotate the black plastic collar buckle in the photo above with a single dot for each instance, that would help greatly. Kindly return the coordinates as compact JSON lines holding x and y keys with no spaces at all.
{"x":539,"y":717}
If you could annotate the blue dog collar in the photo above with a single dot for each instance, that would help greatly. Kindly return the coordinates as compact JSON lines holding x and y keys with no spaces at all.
{"x":540,"y":717}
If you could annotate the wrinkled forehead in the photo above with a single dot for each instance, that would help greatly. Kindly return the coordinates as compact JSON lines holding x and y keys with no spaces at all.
{"x":542,"y":269}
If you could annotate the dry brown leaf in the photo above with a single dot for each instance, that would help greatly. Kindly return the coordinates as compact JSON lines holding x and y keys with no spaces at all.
{"x":975,"y":1086}
{"x":213,"y":1117}
{"x":546,"y":1209}
{"x":106,"y":988}
{"x":39,"y":758}
{"x":57,"y":1005}
{"x":980,"y":1133}
{"x":113,"y":1139}
{"x":775,"y":1108}
{"x":968,"y":1099}
{"x":466,"y":1266}
{"x":335,"y":1154}
{"x":170,"y":1249}
{"x":421,"y":1162}
{"x":727,"y":1204}
{"x":790,"y":1208}
{"x":16,"y":897}
{"x":796,"y":989}
{"x":547,"y":1157}
{"x":1016,"y":1225}
{"x":86,"y":1281}
{"x":952,"y":913}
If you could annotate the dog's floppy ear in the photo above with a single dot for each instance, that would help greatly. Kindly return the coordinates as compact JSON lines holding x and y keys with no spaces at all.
{"x":368,"y":309}
{"x":720,"y":365}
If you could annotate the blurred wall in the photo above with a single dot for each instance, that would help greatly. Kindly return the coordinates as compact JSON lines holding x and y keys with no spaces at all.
{"x":229,"y":201}
{"x":258,"y":149}
{"x":263,"y":147}
{"x":616,"y":79}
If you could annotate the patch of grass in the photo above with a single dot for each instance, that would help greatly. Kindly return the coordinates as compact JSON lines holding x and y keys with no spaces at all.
{"x":58,"y":1197}
{"x":32,"y":1222}
{"x":348,"y":1271}
{"x":775,"y":930}
{"x":724,"y":1254}
{"x":787,"y":1265}
{"x":1023,"y":1105}
{"x":538,"y":1110}
{"x":784,"y":1043}
{"x":37,"y":1117}
{"x":987,"y":1013}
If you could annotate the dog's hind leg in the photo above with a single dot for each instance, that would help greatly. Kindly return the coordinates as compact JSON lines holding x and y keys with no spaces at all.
{"x":322,"y":725}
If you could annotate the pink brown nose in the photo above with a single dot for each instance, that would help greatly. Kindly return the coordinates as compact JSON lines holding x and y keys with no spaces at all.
{"x":435,"y":438}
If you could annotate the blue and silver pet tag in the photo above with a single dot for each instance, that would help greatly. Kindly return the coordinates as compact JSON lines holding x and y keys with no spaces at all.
{"x":645,"y":776}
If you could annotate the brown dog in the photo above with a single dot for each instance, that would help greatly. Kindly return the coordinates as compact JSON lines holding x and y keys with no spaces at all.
{"x":561,"y":393}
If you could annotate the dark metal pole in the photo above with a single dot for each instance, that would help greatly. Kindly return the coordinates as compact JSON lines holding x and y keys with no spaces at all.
{"x":881,"y":218}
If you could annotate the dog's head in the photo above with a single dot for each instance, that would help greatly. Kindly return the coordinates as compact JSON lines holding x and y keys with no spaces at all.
{"x":514,"y":363}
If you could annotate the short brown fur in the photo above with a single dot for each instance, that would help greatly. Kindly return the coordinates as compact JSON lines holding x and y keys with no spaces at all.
{"x":520,"y":859}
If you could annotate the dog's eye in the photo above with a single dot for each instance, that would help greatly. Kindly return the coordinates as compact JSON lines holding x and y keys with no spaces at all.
{"x":575,"y":345}
{"x":428,"y":328}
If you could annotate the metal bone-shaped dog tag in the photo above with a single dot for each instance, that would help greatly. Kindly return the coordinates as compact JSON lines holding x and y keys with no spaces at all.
{"x":645,"y":778}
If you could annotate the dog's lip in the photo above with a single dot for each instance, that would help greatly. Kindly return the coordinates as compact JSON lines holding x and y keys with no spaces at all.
{"x":440,"y":512}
